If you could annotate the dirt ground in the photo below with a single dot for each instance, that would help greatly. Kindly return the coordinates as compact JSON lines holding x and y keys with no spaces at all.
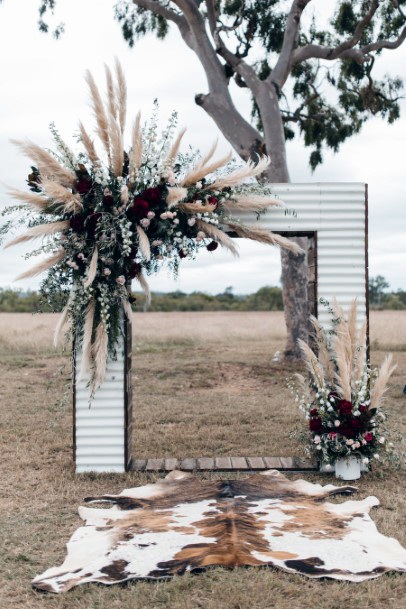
{"x":204,"y":384}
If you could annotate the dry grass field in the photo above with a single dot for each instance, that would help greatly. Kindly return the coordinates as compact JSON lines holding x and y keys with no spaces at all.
{"x":204,"y":385}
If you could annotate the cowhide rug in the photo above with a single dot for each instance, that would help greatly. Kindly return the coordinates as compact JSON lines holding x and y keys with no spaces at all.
{"x":183,"y":523}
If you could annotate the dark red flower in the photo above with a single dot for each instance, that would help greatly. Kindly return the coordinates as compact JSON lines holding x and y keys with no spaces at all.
{"x":314,"y":412}
{"x":332,"y":434}
{"x":91,"y":223}
{"x":135,"y":269}
{"x":368,"y":436}
{"x":356,"y":424}
{"x":108,"y":200}
{"x":346,"y":430}
{"x":212,"y":200}
{"x":83,"y":185}
{"x":316,"y":425}
{"x":344,"y":407}
{"x":138,"y":210}
{"x":153,"y":196}
{"x":213,"y":245}
{"x":77,"y":223}
{"x":362,"y":408}
{"x":182,"y":254}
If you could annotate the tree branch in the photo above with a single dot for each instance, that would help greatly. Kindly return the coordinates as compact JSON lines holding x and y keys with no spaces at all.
{"x":282,"y":67}
{"x":343,"y":50}
{"x":385,"y":44}
{"x":155,"y":7}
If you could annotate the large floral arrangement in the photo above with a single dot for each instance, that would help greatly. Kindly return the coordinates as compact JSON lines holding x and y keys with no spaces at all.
{"x":342,"y":397}
{"x":107,"y":216}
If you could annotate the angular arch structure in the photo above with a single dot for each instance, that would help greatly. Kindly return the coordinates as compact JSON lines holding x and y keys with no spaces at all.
{"x":335,"y":218}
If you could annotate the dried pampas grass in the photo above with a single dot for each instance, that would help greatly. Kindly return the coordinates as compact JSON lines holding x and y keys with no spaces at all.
{"x":35,"y":201}
{"x":46,"y":163}
{"x":87,"y":345}
{"x":42,"y":230}
{"x":43,"y":266}
{"x":121,"y":95}
{"x":249,"y":170}
{"x":145,"y":288}
{"x":199,"y":172}
{"x":111,"y":97}
{"x":99,"y":356}
{"x":385,"y":372}
{"x":117,"y":150}
{"x":92,"y":269}
{"x":88,"y":144}
{"x":175,"y":195}
{"x":312,"y":363}
{"x":264,"y":236}
{"x":136,"y":148}
{"x":61,"y":197}
{"x":173,"y":152}
{"x":250,"y":203}
{"x":218,"y":235}
{"x":144,"y":243}
{"x":100,"y":113}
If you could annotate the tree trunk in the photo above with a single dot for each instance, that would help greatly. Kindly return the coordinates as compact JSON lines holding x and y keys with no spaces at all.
{"x":294,"y":268}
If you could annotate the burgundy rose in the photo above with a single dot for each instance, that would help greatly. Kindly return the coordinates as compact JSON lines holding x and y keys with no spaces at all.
{"x":344,"y":407}
{"x":212,"y":200}
{"x":316,"y":425}
{"x":92,"y":222}
{"x":182,"y":254}
{"x":153,"y":196}
{"x":332,"y":435}
{"x":346,"y":430}
{"x":368,"y":436}
{"x":213,"y":245}
{"x":83,"y":185}
{"x":77,"y":223}
{"x":356,"y":424}
{"x":135,"y":269}
{"x":138,"y":210}
{"x":108,"y":200}
{"x":362,"y":408}
{"x":314,"y":412}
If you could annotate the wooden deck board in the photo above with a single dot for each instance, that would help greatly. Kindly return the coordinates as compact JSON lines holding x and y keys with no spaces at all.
{"x":230,"y":464}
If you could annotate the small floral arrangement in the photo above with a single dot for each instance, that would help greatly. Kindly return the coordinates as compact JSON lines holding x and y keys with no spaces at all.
{"x":342,"y":398}
{"x":109,"y":216}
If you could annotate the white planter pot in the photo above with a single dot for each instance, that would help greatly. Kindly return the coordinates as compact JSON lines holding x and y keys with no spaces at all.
{"x":348,"y":468}
{"x":102,"y":429}
{"x":326,"y":468}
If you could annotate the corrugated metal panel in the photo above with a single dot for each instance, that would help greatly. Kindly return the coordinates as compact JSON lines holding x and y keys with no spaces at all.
{"x":100,"y":428}
{"x":338,"y":213}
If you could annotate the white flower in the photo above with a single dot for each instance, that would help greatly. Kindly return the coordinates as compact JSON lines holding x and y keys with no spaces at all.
{"x":192,"y":221}
{"x":381,"y":440}
{"x":356,"y":413}
{"x":175,"y":221}
{"x":164,"y":215}
{"x":376,"y":456}
{"x":317,"y":439}
{"x":365,"y":460}
{"x":330,"y":409}
{"x":106,"y":272}
{"x":356,"y":445}
{"x":150,"y":215}
{"x":198,"y":184}
{"x":156,"y":242}
{"x":120,"y":280}
{"x":337,"y":423}
{"x":145,"y":222}
{"x":349,"y":442}
{"x":318,"y":447}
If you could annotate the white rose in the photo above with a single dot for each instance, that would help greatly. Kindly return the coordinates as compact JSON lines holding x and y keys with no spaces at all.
{"x":151,"y":214}
{"x":145,"y":222}
{"x":192,"y":221}
{"x":337,"y":423}
{"x":381,"y":440}
{"x":120,"y":280}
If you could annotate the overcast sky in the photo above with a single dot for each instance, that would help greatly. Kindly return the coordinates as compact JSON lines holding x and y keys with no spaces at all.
{"x":42,"y":81}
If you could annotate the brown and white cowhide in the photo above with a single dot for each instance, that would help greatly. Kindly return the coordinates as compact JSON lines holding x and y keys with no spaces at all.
{"x":183,"y":523}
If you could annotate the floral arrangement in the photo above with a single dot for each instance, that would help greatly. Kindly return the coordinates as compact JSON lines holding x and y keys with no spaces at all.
{"x":342,"y":398}
{"x":109,"y":216}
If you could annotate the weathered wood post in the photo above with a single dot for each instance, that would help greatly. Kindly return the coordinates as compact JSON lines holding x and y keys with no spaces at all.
{"x":102,"y":427}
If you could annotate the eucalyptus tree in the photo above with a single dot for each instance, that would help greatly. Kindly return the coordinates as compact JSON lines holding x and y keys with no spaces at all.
{"x":309,"y":77}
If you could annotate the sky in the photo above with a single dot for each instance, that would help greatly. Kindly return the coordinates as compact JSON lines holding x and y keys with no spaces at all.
{"x":42,"y":80}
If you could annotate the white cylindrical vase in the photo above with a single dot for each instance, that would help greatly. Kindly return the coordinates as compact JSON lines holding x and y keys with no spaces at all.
{"x":348,"y":468}
{"x":102,"y":426}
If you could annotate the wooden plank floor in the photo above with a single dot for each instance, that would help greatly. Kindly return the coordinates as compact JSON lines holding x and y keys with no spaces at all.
{"x":224,"y":464}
